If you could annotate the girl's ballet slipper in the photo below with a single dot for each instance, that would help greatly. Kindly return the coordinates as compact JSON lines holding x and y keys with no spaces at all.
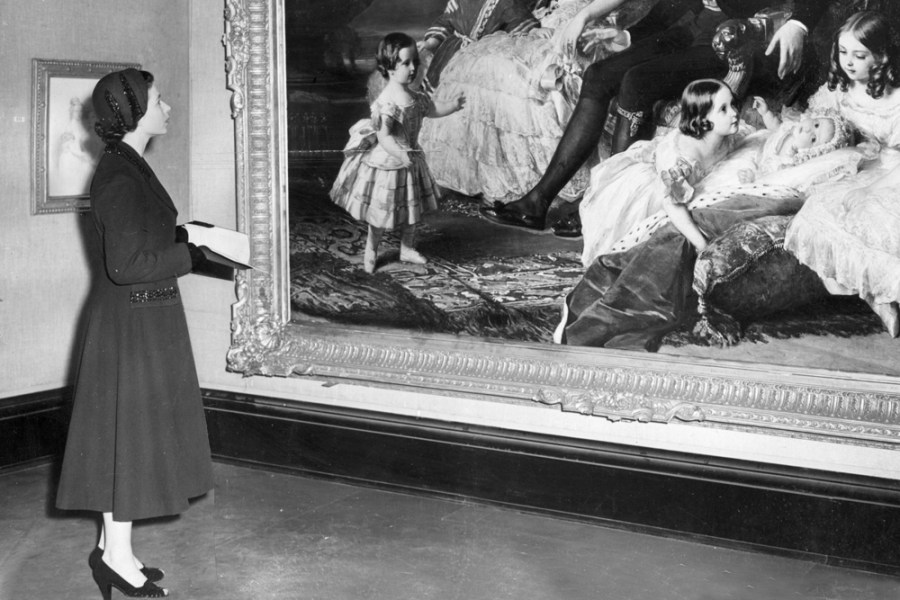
{"x":889,"y":315}
{"x":563,"y":321}
{"x":411,"y":255}
{"x":369,"y":260}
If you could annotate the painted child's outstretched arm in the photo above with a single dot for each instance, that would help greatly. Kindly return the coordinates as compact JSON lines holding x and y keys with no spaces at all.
{"x":448,"y":107}
{"x":684,"y":223}
{"x":389,"y":143}
{"x":674,"y":206}
{"x":771,"y":120}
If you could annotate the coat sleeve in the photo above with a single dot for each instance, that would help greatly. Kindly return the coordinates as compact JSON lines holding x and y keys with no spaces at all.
{"x":517,"y":18}
{"x":444,"y":26}
{"x":809,"y":12}
{"x":130,"y":256}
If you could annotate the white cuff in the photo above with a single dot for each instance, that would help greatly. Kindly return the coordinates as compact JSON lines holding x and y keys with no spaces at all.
{"x":798,"y":24}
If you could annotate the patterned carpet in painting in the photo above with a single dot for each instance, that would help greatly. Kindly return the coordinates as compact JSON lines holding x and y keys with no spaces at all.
{"x":508,"y":294}
{"x":512,"y":297}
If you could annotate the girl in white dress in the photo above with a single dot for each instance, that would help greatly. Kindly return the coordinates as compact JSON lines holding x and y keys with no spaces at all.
{"x":849,"y":231}
{"x":384,"y":180}
{"x":660,"y":174}
{"x":767,"y":163}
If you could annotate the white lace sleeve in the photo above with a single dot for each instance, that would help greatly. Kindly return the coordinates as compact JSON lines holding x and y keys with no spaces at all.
{"x":824,"y":99}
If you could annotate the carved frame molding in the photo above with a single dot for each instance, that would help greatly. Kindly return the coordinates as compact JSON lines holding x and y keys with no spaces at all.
{"x":806,"y":403}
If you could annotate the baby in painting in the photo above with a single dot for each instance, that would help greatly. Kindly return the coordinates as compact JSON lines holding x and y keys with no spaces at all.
{"x":791,"y":143}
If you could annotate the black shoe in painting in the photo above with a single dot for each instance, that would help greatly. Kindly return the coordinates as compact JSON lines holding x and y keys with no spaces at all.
{"x":501,"y":214}
{"x":568,"y":227}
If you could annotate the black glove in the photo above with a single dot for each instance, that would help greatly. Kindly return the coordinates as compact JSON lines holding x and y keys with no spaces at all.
{"x":181,"y":235}
{"x":197,"y":256}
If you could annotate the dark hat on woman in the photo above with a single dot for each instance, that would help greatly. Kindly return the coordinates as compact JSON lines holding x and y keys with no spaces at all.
{"x":120,"y":100}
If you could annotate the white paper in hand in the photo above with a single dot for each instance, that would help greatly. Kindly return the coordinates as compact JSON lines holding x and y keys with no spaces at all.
{"x":230,"y":244}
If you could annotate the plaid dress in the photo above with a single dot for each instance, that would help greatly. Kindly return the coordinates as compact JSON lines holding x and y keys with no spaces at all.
{"x":372,"y":185}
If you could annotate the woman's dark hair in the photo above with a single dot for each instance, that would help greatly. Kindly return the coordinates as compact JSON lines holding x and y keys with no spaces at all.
{"x":696,"y":102}
{"x":389,"y":48}
{"x":116,"y":125}
{"x":873,"y":30}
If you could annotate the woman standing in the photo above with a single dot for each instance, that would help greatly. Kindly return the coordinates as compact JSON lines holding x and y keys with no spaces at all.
{"x":137,"y":445}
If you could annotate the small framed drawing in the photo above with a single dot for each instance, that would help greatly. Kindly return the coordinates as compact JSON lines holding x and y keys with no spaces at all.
{"x":65,"y":148}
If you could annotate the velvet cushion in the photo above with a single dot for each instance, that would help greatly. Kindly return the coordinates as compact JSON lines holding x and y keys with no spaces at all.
{"x":745,"y":273}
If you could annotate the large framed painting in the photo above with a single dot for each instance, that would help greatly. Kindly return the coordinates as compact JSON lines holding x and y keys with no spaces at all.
{"x":65,"y":149}
{"x":758,"y":345}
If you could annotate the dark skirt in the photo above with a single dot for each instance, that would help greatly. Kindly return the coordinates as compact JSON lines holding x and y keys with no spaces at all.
{"x":137,"y":443}
{"x":631,"y":300}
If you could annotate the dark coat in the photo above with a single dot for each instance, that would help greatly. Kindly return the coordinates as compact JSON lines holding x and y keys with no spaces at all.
{"x":807,"y":12}
{"x":137,"y":443}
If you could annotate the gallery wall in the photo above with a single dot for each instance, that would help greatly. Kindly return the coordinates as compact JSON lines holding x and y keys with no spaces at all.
{"x":44,"y":280}
{"x":44,"y":277}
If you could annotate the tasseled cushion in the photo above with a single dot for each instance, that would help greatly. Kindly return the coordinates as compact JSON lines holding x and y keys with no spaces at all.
{"x":746,"y":273}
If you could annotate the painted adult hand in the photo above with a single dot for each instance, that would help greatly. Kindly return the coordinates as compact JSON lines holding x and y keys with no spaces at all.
{"x":567,"y":41}
{"x":789,"y":39}
{"x":760,"y":105}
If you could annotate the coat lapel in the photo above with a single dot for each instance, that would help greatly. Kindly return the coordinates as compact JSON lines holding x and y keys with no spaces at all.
{"x":129,"y":154}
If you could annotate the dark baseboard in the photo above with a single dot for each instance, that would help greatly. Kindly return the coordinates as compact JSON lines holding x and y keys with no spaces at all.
{"x":33,"y":427}
{"x":830,"y":518}
{"x":825,"y":517}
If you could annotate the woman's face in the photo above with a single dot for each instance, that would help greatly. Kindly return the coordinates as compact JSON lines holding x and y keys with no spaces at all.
{"x":156,"y":120}
{"x":855,"y":59}
{"x":404,"y":72}
{"x":722,"y":116}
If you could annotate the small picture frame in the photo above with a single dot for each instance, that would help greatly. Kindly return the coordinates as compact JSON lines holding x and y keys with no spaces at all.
{"x":65,"y":149}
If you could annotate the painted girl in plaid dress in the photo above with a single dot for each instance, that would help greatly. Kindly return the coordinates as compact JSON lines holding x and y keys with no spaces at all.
{"x":384,"y":180}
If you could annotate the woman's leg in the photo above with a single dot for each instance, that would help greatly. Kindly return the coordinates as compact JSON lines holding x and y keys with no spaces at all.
{"x":117,"y":551}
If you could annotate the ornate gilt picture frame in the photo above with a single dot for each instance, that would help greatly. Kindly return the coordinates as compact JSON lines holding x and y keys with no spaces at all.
{"x":848,"y":408}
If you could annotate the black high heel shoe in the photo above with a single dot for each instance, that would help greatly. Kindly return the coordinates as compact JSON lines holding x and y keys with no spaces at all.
{"x":106,"y":579}
{"x":151,"y":573}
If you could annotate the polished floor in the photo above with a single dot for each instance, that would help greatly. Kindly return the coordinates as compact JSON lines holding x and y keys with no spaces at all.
{"x":263,"y":535}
